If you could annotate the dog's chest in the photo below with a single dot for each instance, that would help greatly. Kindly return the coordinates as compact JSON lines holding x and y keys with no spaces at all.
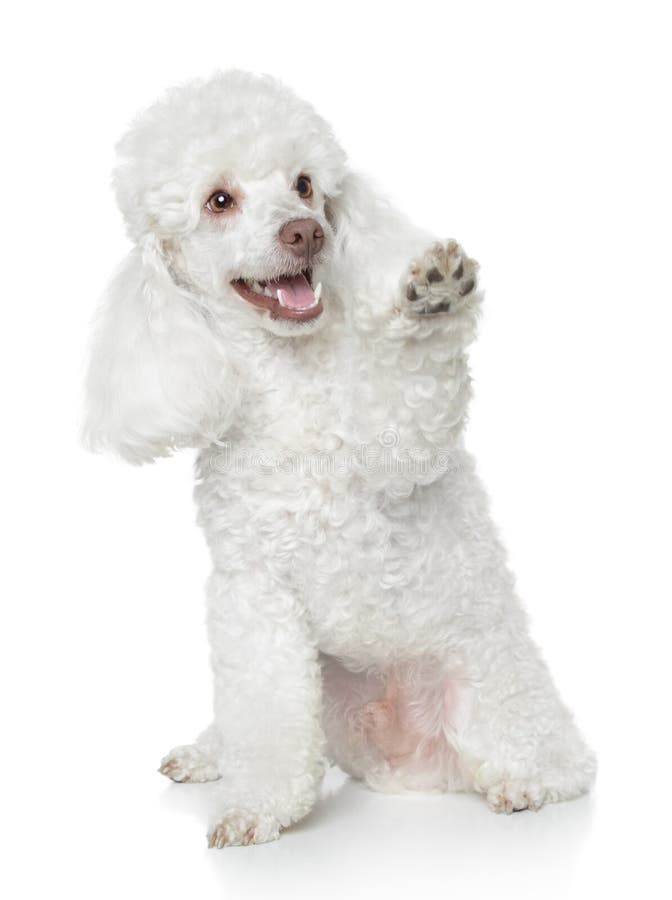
{"x":302,"y":398}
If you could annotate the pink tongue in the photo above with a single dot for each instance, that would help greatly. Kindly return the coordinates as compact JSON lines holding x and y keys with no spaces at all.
{"x":296,"y":292}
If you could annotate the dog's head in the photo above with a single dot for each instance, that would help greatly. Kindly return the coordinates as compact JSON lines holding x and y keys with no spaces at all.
{"x":226,"y":184}
{"x":237,"y":198}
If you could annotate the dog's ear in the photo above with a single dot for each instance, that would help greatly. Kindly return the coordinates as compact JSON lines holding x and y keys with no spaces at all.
{"x":373,"y":246}
{"x":349,"y":209}
{"x":365,"y":224}
{"x":158,"y":376}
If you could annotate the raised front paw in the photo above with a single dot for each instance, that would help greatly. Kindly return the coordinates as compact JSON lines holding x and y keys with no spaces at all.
{"x":440,"y":281}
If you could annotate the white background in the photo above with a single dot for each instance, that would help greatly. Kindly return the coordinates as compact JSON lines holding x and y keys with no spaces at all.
{"x":538,"y":135}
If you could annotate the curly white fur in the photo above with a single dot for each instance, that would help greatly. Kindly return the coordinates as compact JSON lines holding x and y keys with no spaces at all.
{"x":360,"y":605}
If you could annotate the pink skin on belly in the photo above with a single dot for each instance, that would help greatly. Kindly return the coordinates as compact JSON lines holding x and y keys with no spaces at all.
{"x":406,"y":728}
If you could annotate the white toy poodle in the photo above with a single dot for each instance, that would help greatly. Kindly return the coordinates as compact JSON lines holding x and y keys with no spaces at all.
{"x":279,"y":315}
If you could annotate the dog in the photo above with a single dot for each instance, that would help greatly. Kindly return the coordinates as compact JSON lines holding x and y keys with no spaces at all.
{"x":277,"y":314}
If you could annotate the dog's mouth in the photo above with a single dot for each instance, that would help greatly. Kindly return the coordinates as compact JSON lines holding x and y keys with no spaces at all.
{"x":286,"y":297}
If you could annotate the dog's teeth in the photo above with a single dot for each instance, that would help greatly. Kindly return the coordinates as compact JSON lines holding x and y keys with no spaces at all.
{"x":318,"y":294}
{"x":281,"y":298}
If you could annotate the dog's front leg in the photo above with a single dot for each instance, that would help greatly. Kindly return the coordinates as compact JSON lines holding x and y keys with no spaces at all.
{"x":267,"y":708}
{"x":442,"y":281}
{"x":414,"y":387}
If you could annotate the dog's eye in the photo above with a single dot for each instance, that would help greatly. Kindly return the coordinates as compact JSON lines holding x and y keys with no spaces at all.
{"x":219,"y":201}
{"x":304,"y":187}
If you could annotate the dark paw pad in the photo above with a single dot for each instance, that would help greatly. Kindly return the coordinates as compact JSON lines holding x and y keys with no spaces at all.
{"x":442,"y":307}
{"x":467,"y":287}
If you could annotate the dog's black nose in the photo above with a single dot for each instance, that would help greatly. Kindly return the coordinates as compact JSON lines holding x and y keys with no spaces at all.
{"x":304,"y":237}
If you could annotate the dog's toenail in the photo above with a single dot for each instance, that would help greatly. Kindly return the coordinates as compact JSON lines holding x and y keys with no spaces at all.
{"x":459,"y":271}
{"x":411,"y":293}
{"x":467,"y":287}
{"x":434,"y":275}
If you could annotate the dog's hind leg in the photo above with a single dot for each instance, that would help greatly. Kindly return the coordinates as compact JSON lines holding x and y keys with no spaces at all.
{"x":520,"y":742}
{"x":194,"y":762}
